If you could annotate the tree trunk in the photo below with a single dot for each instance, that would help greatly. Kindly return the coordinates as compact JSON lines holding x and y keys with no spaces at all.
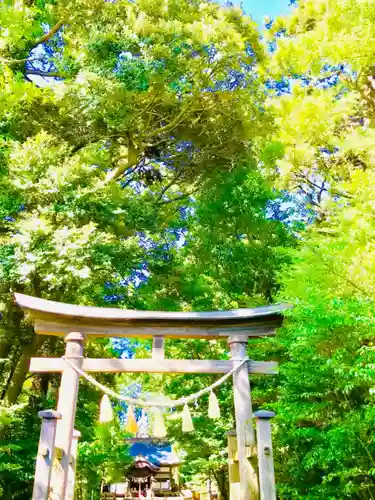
{"x":222,"y":481}
{"x":20,"y":373}
{"x":11,"y":367}
{"x":12,"y":324}
{"x":5,"y":350}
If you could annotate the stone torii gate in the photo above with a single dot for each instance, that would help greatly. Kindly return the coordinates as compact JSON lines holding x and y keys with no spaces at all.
{"x":57,"y":447}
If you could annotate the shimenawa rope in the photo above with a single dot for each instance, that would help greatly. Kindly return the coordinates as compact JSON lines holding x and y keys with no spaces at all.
{"x":159,"y":404}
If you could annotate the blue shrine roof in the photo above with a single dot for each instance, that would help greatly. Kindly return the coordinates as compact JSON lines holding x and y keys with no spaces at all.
{"x":154,"y":452}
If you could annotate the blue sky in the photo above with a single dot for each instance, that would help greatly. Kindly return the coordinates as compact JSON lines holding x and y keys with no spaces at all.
{"x":260,"y":8}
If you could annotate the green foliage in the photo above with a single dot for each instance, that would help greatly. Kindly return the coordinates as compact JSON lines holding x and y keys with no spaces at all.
{"x":325,"y":402}
{"x":104,"y":459}
{"x":324,"y":148}
{"x":325,"y":126}
{"x":17,"y":456}
{"x":231,"y":249}
{"x":325,"y":405}
{"x":130,"y":161}
{"x":108,"y":153}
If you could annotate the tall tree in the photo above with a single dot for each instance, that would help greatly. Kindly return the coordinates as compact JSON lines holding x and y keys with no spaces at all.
{"x":323,"y":147}
{"x":230,"y":251}
{"x":325,"y":408}
{"x":113,"y":116}
{"x":322,"y":55}
{"x":142,"y":114}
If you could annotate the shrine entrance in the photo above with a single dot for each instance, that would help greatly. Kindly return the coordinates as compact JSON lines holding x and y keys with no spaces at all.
{"x":55,"y":465}
{"x":141,"y":476}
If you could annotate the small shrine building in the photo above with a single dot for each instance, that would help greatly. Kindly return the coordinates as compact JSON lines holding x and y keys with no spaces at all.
{"x":155,"y":471}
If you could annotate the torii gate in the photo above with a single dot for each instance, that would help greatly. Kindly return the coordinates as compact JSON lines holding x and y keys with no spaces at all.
{"x":77,"y":323}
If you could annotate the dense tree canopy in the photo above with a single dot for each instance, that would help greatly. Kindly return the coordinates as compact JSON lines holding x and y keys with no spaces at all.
{"x":322,"y":147}
{"x":325,"y":118}
{"x":99,"y":163}
{"x":325,"y":404}
{"x":116,"y":118}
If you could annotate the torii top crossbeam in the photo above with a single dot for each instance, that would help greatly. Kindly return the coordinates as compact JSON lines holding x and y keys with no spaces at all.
{"x":56,"y":318}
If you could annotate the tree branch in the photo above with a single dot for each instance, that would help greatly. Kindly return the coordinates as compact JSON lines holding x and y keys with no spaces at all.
{"x":48,"y":35}
{"x":309,"y":195}
{"x":16,"y":62}
{"x":82,"y":144}
{"x":145,"y":109}
{"x":178,"y":198}
{"x":133,"y":160}
{"x":165,"y":189}
{"x":177,"y":120}
{"x":312,"y":184}
{"x":54,"y":74}
{"x":42,"y":39}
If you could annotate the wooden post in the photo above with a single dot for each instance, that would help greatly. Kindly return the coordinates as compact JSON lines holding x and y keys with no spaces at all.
{"x":243,"y":411}
{"x":233,"y":467}
{"x":158,"y":347}
{"x":67,"y":407}
{"x":265,"y":455}
{"x":45,"y":455}
{"x":72,"y":466}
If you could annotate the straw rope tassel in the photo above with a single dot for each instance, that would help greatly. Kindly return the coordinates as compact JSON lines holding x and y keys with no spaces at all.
{"x":159,"y":430}
{"x":106,"y":412}
{"x":187,"y":421}
{"x":131,"y":425}
{"x":213,"y":406}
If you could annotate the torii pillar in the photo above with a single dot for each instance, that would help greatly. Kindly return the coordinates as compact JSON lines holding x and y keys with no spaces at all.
{"x":67,"y":404}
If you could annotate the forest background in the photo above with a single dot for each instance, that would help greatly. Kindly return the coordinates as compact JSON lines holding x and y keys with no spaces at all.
{"x":172,"y":155}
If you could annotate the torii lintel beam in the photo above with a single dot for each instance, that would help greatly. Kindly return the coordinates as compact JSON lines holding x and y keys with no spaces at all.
{"x":171,"y":366}
{"x":55,"y":318}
